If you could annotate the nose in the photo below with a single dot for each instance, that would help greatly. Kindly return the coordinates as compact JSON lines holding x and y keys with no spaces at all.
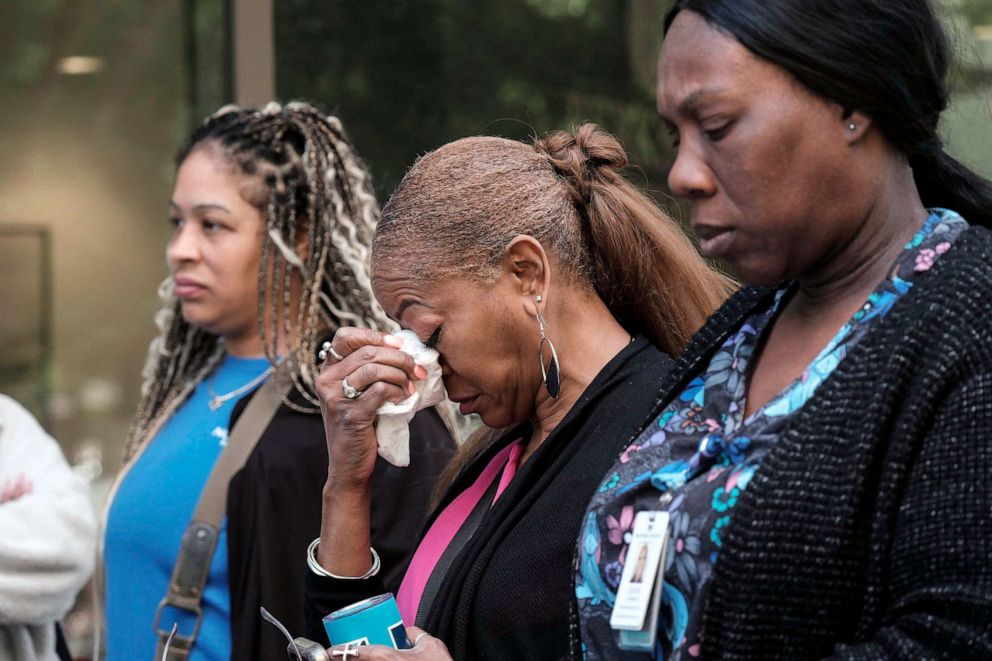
{"x":690,"y":177}
{"x":183,"y":246}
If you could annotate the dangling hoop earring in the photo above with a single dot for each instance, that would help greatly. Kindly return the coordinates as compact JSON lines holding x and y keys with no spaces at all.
{"x":551,"y":374}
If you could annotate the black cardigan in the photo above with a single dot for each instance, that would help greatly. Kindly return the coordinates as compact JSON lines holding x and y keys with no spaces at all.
{"x":866,"y":533}
{"x":509,"y":592}
{"x":274,"y":512}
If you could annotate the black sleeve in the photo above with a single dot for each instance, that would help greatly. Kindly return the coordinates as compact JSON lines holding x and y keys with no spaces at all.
{"x":325,"y":595}
{"x":273,"y":513}
{"x":400,"y":501}
{"x":940,"y":572}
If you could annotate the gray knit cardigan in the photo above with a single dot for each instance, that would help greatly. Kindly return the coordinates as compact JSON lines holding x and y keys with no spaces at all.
{"x":867,"y":531}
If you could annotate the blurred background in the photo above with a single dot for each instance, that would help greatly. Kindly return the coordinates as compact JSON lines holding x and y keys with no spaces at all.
{"x":97,"y":96}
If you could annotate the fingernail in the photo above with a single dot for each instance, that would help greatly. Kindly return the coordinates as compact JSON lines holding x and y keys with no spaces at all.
{"x":420,"y":372}
{"x":410,"y":388}
{"x":392,"y":341}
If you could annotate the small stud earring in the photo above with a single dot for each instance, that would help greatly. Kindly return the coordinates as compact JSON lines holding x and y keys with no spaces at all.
{"x":852,"y":127}
{"x":538,"y":298}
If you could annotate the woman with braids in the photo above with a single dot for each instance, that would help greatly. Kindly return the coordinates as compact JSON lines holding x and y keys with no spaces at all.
{"x":824,"y":446}
{"x":555,"y":293}
{"x":273,"y":215}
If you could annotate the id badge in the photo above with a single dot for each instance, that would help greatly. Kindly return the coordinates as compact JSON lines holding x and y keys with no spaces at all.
{"x":635,"y":611}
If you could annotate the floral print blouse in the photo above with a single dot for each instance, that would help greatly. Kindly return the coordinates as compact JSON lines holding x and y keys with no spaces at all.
{"x":697,"y":457}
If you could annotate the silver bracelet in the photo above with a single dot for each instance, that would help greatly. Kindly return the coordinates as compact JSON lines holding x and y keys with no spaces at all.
{"x":320,"y":571}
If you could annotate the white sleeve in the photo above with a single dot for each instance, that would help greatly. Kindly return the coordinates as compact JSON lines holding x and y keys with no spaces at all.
{"x":47,"y":536}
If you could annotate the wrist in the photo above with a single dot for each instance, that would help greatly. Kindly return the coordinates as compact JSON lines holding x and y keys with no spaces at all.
{"x":318,"y":563}
{"x":345,"y":493}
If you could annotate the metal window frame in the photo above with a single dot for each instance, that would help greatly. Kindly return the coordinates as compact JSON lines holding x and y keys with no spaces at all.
{"x":248,"y":68}
{"x":253,"y":62}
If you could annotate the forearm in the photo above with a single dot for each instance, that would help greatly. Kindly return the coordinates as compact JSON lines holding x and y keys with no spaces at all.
{"x":46,"y":555}
{"x":343,"y":551}
{"x":345,"y":531}
{"x":47,"y":529}
{"x":370,"y":362}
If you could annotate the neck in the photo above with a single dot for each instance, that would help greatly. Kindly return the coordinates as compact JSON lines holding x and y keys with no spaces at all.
{"x":249,"y":345}
{"x":845,"y":277}
{"x":244,"y":347}
{"x":586,"y":337}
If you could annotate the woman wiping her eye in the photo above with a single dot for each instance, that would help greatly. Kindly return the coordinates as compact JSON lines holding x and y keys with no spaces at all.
{"x":431,"y":342}
{"x":554,"y":292}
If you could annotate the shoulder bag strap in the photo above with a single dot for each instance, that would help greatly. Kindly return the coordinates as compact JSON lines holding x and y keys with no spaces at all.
{"x":189,"y":576}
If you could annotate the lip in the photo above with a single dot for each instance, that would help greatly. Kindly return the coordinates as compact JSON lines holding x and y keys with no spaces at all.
{"x":714,"y":240}
{"x":187,"y":288}
{"x":466,"y":405}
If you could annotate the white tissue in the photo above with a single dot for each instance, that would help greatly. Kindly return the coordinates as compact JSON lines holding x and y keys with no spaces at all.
{"x":392,"y":429}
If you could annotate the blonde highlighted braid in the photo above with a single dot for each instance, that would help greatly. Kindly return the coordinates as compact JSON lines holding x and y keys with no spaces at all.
{"x":314,"y":192}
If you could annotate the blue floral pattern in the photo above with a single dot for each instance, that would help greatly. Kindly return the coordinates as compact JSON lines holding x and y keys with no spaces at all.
{"x":700,"y":453}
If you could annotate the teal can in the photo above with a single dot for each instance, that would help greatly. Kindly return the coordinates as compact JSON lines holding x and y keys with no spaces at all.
{"x":372,"y":621}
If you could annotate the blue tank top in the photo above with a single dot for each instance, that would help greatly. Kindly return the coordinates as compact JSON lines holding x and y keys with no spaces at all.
{"x":149,"y":514}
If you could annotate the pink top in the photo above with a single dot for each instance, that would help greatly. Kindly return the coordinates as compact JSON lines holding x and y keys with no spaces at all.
{"x":447,"y":523}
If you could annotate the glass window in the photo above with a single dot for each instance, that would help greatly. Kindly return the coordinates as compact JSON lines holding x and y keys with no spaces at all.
{"x":408,"y":76}
{"x":97,"y":96}
{"x":967,"y":126}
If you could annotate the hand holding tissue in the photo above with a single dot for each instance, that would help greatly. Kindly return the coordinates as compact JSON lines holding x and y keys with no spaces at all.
{"x":392,"y":428}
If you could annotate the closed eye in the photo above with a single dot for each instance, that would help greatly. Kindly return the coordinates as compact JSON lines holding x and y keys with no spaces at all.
{"x":716,"y":133}
{"x":431,"y":342}
{"x":673,"y":133}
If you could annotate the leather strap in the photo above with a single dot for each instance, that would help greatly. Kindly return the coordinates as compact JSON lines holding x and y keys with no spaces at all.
{"x":196,"y":552}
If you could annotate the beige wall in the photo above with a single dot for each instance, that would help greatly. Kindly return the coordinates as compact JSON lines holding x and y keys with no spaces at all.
{"x":89,"y":156}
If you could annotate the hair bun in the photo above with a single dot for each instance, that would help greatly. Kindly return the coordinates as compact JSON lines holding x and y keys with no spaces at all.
{"x":581,"y":157}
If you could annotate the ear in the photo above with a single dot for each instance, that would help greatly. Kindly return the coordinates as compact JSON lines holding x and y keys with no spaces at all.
{"x":525,"y":265}
{"x":854,"y":125}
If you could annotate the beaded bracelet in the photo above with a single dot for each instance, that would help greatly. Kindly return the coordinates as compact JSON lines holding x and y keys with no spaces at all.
{"x":320,"y":571}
